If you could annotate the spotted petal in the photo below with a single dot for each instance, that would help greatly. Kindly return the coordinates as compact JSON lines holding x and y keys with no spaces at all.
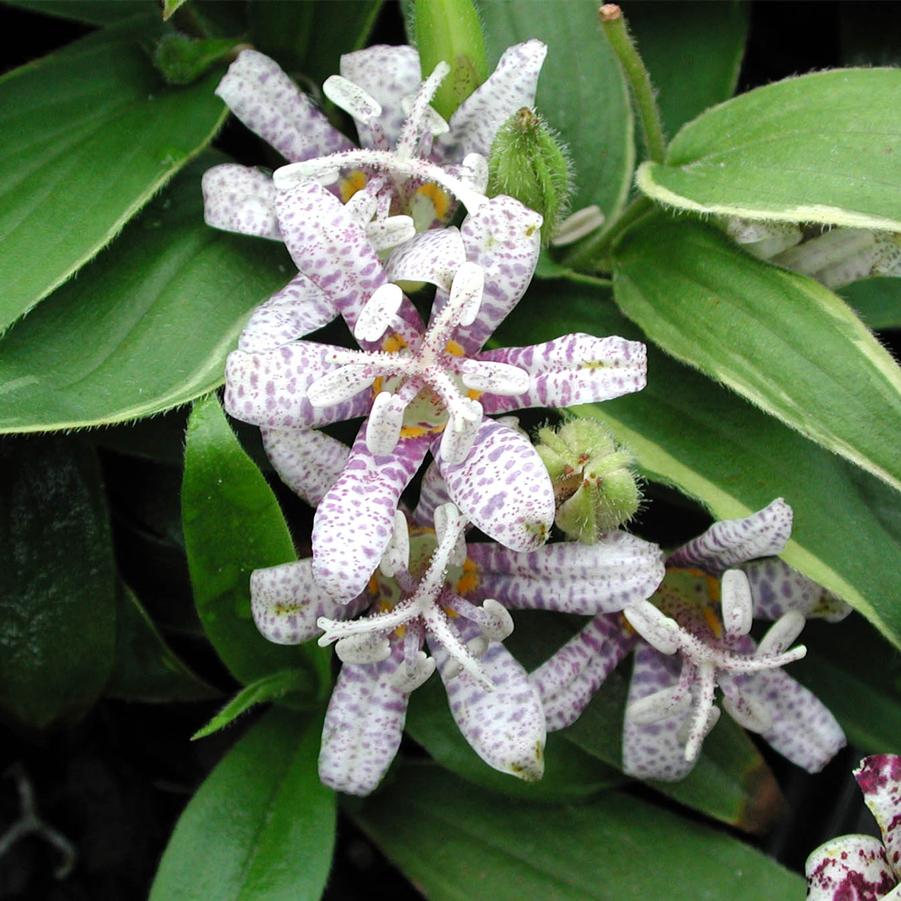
{"x":270,"y":389}
{"x":306,"y":460}
{"x":654,"y":750}
{"x":330,"y":246}
{"x":286,"y":602}
{"x":510,"y":87}
{"x":259,"y":93}
{"x":355,"y":520}
{"x":777,"y":588}
{"x":502,"y":487}
{"x":733,"y":541}
{"x":568,"y":680}
{"x":879,"y":778}
{"x":298,"y":309}
{"x":432,"y":494}
{"x":433,"y":256}
{"x":802,"y":729}
{"x":240,"y":199}
{"x":503,"y":237}
{"x":849,"y":868}
{"x":388,"y":74}
{"x":573,"y":369}
{"x":570,"y":577}
{"x":505,"y":726}
{"x":363,"y":727}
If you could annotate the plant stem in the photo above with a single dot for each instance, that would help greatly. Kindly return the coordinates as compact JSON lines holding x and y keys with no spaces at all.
{"x":614,"y":25}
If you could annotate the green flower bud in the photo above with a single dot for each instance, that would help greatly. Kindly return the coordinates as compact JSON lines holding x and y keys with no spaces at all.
{"x":450,"y":31}
{"x":181,"y":60}
{"x":529,"y":162}
{"x":596,"y":487}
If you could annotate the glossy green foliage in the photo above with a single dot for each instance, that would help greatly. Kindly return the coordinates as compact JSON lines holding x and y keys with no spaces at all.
{"x":146,"y":669}
{"x":58,"y":582}
{"x":145,"y":327}
{"x":581,"y":91}
{"x":452,"y":841}
{"x":260,"y":826}
{"x":819,"y":148}
{"x":876,"y":300}
{"x":779,"y":339}
{"x":232,"y":525}
{"x":688,"y":432}
{"x":91,"y":133}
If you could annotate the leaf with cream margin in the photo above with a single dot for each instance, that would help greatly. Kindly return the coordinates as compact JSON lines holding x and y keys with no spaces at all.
{"x":823,"y":148}
{"x":781,"y":340}
{"x":688,"y":432}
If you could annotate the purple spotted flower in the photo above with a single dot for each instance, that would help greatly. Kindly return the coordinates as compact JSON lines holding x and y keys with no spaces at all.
{"x":421,"y":387}
{"x":422,"y":164}
{"x":860,"y":867}
{"x":692,"y":637}
{"x":434,"y":592}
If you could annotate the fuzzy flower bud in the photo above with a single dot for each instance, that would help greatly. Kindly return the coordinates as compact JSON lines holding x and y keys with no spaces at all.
{"x":594,"y":482}
{"x":529,"y":162}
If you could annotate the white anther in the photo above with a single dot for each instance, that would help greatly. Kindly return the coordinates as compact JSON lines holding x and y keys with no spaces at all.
{"x":748,"y":712}
{"x":362,"y":205}
{"x":390,"y":232}
{"x":477,"y":646}
{"x":366,"y":648}
{"x":497,"y":378}
{"x":351,"y":98}
{"x":781,"y":634}
{"x":737,"y":603}
{"x":661,"y":704}
{"x":386,"y":418}
{"x":500,"y":624}
{"x":573,"y":228}
{"x":466,"y":292}
{"x":460,"y":431}
{"x":378,"y":313}
{"x":433,"y":121}
{"x":397,"y":553}
{"x":654,"y":627}
{"x":410,"y":675}
{"x":339,"y":385}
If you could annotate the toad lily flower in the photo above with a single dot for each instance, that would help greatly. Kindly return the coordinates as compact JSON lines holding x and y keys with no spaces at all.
{"x":413,"y":599}
{"x":421,"y":387}
{"x":684,"y":650}
{"x":860,"y":867}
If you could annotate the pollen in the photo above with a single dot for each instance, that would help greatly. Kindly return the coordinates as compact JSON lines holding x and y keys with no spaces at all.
{"x":377,"y":384}
{"x":393,"y":343}
{"x":400,"y":631}
{"x":713,"y":622}
{"x":474,"y":394}
{"x":352,"y":183}
{"x":454,"y":348}
{"x":440,"y":199}
{"x":373,"y":586}
{"x":469,"y":581}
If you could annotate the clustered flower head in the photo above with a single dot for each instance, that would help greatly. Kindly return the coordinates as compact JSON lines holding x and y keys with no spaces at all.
{"x":401,"y":592}
{"x":860,"y":867}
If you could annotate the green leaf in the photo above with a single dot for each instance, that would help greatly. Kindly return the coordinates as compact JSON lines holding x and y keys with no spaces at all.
{"x":182,"y":60}
{"x":57,"y":583}
{"x":233,"y":525}
{"x":92,"y":12}
{"x":91,"y":133}
{"x":857,"y":676}
{"x":781,"y":340}
{"x":730,"y":782}
{"x":269,"y":688}
{"x":876,"y":300}
{"x":145,"y":327}
{"x":452,"y":840}
{"x":569,"y":775}
{"x":688,"y":432}
{"x":310,"y":37}
{"x":170,"y":7}
{"x":819,"y":148}
{"x":261,"y":825}
{"x":581,"y":92}
{"x":145,"y":668}
{"x":689,"y":81}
